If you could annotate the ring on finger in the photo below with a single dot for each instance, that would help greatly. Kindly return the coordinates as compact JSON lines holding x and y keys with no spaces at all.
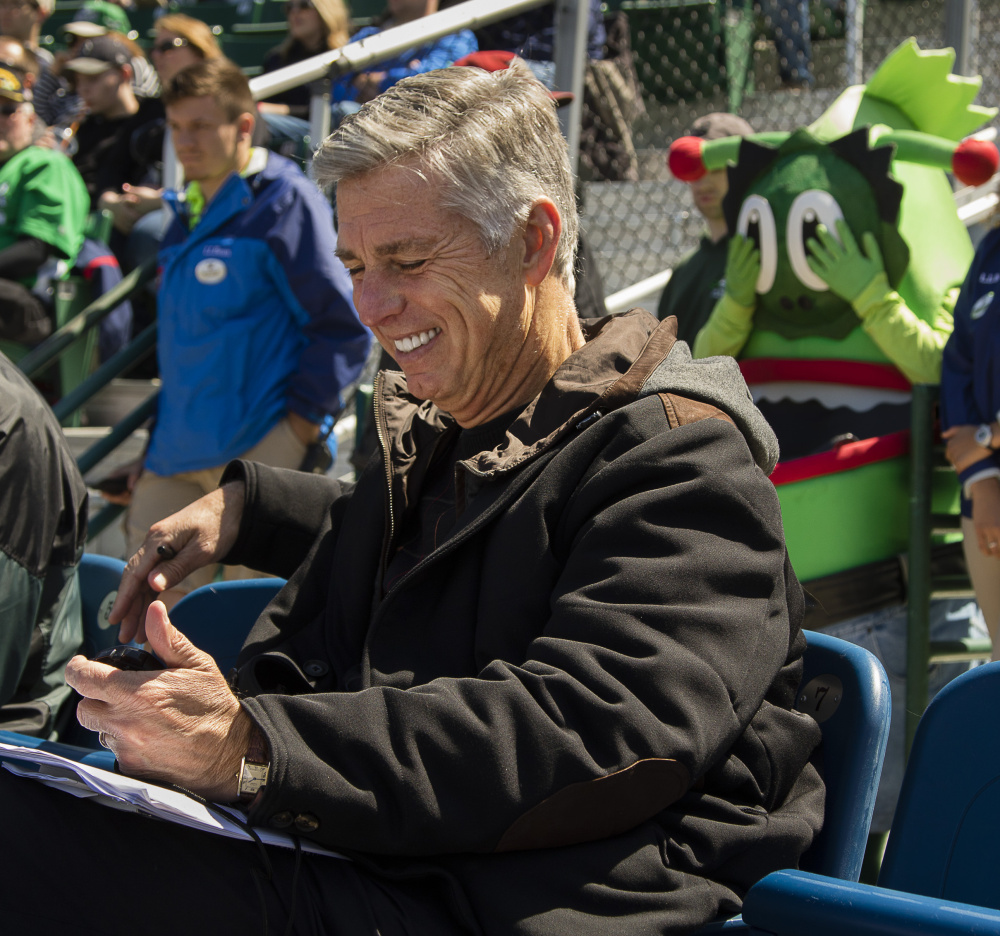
{"x":103,"y":738}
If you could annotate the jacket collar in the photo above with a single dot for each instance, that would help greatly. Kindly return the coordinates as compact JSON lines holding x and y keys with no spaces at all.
{"x":609,"y":371}
{"x":234,"y":196}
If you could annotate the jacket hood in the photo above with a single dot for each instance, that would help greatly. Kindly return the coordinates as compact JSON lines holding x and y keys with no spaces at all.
{"x":715,"y":380}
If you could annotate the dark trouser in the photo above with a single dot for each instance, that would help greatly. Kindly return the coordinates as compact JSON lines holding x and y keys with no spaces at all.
{"x":71,"y":866}
{"x":23,"y":316}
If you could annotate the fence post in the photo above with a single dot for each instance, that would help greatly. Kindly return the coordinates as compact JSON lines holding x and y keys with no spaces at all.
{"x":958,"y":27}
{"x":571,"y":18}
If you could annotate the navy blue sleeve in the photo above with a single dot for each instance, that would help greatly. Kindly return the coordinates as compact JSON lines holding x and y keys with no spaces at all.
{"x":958,"y":403}
{"x":303,"y":242}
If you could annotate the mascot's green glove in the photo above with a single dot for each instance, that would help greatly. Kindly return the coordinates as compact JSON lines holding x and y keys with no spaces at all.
{"x":849,"y":272}
{"x":728,"y":327}
{"x":742,"y":270}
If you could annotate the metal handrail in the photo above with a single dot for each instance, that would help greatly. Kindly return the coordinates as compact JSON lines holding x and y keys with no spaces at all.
{"x":356,"y":56}
{"x":100,"y":308}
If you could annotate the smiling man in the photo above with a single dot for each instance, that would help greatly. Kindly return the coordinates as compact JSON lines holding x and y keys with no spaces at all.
{"x":534,"y":672}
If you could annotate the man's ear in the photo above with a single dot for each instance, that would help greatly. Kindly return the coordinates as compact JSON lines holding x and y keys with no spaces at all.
{"x":541,"y":238}
{"x":245,"y":125}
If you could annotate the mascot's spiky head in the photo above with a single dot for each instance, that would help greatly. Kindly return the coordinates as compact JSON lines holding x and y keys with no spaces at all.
{"x":778,"y":196}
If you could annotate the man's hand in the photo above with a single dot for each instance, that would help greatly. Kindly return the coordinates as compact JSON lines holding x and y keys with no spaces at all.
{"x":742,"y":270}
{"x":842,"y":265}
{"x":986,"y":515}
{"x":198,"y":535}
{"x":962,"y":449}
{"x":180,"y":725}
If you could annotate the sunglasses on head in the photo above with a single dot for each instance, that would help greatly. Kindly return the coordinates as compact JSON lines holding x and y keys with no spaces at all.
{"x":297,"y":5}
{"x":165,"y":45}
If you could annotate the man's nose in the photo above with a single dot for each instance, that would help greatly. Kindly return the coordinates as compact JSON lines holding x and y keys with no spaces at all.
{"x":377,"y":298}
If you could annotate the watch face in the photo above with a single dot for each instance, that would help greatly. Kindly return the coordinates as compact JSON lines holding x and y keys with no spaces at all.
{"x":984,"y":436}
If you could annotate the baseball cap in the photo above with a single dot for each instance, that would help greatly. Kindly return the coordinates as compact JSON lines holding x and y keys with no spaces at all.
{"x":492,"y":60}
{"x":96,"y":56}
{"x":718,"y":125}
{"x":97,"y":17}
{"x":11,"y":87}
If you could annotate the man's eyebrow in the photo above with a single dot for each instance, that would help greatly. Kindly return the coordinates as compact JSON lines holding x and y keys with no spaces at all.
{"x":411,"y":245}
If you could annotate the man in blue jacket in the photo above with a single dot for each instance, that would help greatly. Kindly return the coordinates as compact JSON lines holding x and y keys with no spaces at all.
{"x":258,"y":335}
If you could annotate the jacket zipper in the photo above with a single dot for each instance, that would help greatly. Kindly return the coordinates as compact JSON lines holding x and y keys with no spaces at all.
{"x":383,"y":441}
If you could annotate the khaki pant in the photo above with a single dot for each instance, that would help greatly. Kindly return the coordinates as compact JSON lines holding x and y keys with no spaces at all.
{"x":158,"y":496}
{"x":985,"y":574}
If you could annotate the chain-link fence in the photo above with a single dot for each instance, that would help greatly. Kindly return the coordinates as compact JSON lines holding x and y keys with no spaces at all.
{"x":696,"y":56}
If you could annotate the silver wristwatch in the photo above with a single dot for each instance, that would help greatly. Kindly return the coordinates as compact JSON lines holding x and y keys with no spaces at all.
{"x":984,"y":436}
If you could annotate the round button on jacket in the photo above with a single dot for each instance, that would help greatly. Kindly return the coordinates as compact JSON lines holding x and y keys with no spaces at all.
{"x":281,"y":820}
{"x":306,"y":822}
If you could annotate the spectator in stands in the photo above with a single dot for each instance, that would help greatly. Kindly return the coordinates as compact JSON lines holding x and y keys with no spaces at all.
{"x":314,"y":26}
{"x":179,"y":41}
{"x":355,"y":89}
{"x":553,"y":694}
{"x":970,"y":414}
{"x":43,"y":213}
{"x":789,"y":23}
{"x":257,"y":333}
{"x":532,"y":36}
{"x":43,"y":524}
{"x":22,"y":20}
{"x":698,"y":279}
{"x":106,"y":155}
{"x":56,"y":101}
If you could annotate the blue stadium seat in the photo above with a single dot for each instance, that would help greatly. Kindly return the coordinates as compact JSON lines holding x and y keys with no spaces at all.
{"x":938,"y":875}
{"x":845,"y":688}
{"x":218,"y":617}
{"x":99,"y":579}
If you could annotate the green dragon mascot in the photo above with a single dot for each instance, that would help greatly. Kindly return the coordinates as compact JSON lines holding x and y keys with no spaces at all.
{"x":846,"y":259}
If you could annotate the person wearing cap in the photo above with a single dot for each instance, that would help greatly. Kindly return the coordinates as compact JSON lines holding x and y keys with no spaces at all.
{"x":43,"y":213}
{"x":698,"y":279}
{"x":98,"y":18}
{"x":102,"y":71}
{"x":56,"y":103}
{"x":22,"y":20}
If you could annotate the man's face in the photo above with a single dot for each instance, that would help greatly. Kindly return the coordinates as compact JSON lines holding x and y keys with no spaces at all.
{"x":453,"y":317}
{"x":16,"y":127}
{"x":100,"y":92}
{"x":18,"y":18}
{"x":205,"y":140}
{"x":708,"y":192}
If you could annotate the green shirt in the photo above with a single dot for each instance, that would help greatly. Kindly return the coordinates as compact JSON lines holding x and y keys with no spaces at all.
{"x":697,"y":283}
{"x":42,"y":195}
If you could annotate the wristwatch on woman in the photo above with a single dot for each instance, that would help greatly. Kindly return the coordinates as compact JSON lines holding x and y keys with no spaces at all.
{"x":984,"y":435}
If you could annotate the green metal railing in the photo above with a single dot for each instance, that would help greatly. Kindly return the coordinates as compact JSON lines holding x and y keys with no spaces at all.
{"x":926,"y":459}
{"x":62,"y":340}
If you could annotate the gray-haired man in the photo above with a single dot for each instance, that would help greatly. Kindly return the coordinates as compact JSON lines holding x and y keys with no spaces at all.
{"x":534,"y":672}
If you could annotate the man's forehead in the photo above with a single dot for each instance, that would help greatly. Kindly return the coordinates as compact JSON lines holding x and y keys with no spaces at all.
{"x":197,"y":108}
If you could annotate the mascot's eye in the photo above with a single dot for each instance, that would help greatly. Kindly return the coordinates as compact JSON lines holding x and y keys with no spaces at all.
{"x":756,"y":221}
{"x":809,"y":210}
